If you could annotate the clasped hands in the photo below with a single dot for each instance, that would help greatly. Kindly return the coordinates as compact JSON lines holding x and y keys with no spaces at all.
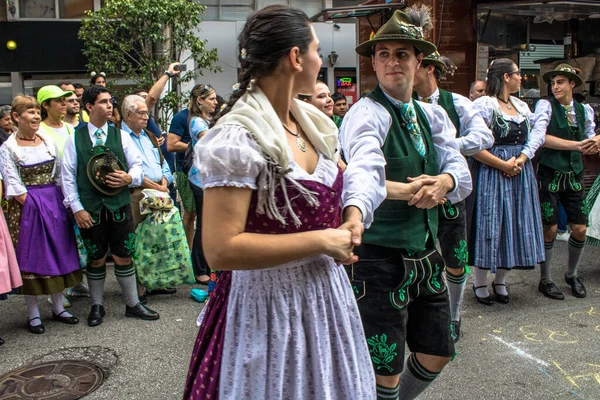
{"x":513,"y":166}
{"x":590,"y":146}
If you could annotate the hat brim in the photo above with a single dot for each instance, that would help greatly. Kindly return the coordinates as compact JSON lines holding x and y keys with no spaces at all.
{"x":55,"y":96}
{"x":574,"y":77}
{"x":438,"y":64}
{"x":90,"y":173}
{"x":425,"y":47}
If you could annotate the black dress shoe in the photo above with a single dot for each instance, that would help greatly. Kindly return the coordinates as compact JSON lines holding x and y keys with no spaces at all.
{"x":483,"y":300}
{"x":38,"y":329}
{"x":72,"y":320}
{"x":161,"y":291}
{"x":142,"y":312}
{"x":1,"y":341}
{"x":500,"y":298}
{"x":549,"y":289}
{"x":96,"y":315}
{"x":576,"y":286}
{"x":143,"y":299}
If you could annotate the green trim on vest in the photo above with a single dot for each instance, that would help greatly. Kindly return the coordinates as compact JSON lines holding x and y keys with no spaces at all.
{"x":92,"y":199}
{"x":447,"y":103}
{"x":564,"y":161}
{"x":396,"y":224}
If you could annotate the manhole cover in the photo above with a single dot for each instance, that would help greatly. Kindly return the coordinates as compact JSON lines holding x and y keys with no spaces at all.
{"x":56,"y":380}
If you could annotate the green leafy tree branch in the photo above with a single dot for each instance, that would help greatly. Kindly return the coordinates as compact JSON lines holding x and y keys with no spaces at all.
{"x":138,"y":39}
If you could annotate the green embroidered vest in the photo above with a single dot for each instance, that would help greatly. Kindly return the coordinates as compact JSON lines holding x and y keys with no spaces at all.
{"x":564,"y":160}
{"x":396,"y":224}
{"x":447,"y":103}
{"x":92,"y":199}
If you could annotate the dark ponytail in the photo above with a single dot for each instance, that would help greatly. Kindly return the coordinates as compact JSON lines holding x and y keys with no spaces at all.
{"x":495,"y":76}
{"x":268,"y":36}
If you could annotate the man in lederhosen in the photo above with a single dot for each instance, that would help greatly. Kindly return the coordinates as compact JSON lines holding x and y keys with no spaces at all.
{"x":473,"y":136}
{"x":569,"y":128}
{"x":101,"y":203}
{"x":402,"y":151}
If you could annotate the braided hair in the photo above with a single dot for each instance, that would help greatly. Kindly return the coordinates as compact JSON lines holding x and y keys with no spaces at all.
{"x":495,"y":76}
{"x":268,"y":36}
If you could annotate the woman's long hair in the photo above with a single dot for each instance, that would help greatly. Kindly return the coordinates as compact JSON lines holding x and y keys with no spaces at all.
{"x":269,"y":35}
{"x":495,"y":76}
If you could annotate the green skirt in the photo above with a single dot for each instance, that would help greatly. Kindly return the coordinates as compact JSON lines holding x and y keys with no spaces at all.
{"x":36,"y":285}
{"x":185,"y":192}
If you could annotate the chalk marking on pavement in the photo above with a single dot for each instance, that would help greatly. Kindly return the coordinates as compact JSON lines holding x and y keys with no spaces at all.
{"x":521,"y":352}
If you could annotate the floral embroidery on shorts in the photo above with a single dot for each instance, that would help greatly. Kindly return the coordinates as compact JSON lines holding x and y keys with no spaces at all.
{"x":585,"y":210}
{"x":130,"y":244}
{"x":547,"y":210}
{"x":461,"y":253}
{"x":90,"y":248}
{"x":382,"y":353}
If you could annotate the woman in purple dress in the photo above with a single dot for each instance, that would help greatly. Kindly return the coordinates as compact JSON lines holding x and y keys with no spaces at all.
{"x":38,"y":222}
{"x":283,"y":322}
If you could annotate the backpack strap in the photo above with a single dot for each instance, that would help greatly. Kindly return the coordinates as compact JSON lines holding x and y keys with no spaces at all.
{"x":155,"y":143}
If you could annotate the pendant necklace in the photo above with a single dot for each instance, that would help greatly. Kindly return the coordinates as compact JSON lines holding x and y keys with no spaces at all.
{"x":505,"y":102}
{"x":299,"y":141}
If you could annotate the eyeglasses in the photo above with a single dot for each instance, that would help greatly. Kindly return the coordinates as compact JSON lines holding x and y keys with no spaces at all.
{"x":143,"y":114}
{"x":515,"y":72}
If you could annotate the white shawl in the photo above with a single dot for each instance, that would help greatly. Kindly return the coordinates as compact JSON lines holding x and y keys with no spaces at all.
{"x":254,"y":111}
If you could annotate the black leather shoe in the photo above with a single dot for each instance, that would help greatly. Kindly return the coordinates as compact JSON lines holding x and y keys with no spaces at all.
{"x":96,"y":315}
{"x":143,"y":299}
{"x":1,"y":341}
{"x":142,"y":312}
{"x":549,"y":289}
{"x":161,"y":291}
{"x":38,"y":330}
{"x":72,"y":320}
{"x":483,"y":300}
{"x":576,"y":286}
{"x":500,"y":298}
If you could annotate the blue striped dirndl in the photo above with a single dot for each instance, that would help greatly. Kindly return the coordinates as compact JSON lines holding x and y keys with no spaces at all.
{"x":508,"y":224}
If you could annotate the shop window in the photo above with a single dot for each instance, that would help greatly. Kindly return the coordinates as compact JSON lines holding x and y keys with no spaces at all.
{"x":37,"y":9}
{"x":74,"y":8}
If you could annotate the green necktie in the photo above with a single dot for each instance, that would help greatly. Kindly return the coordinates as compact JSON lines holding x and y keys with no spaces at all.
{"x":570,"y":117}
{"x":99,"y":141}
{"x":410,"y":117}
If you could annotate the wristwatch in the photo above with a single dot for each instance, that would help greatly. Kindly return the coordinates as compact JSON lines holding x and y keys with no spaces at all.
{"x":167,"y":73}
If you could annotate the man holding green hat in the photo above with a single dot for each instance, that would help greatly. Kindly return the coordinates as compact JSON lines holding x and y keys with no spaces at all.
{"x":53,"y":101}
{"x":569,"y":128}
{"x":99,"y":163}
{"x":403,"y":161}
{"x":473,"y":136}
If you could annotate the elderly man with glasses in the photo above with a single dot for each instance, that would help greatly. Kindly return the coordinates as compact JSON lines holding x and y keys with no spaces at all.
{"x":157,"y":174}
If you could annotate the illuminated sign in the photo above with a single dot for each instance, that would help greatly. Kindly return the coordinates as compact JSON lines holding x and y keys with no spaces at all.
{"x":345,"y":82}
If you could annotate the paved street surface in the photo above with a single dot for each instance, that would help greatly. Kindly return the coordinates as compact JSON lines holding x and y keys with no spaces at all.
{"x":532,"y":348}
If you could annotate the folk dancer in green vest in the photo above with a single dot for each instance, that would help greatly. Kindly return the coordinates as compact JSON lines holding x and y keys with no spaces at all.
{"x":473,"y":136}
{"x":403,"y":161}
{"x":103,"y":212}
{"x":569,"y":129}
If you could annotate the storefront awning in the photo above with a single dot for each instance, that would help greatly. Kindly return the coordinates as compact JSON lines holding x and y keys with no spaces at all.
{"x":545,"y":11}
{"x":329,"y":14}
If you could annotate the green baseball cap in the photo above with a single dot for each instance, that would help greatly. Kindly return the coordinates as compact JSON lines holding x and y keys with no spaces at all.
{"x":50,"y":92}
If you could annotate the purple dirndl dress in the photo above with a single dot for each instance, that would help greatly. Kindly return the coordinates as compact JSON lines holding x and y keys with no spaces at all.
{"x":288,"y":332}
{"x":42,"y":232}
